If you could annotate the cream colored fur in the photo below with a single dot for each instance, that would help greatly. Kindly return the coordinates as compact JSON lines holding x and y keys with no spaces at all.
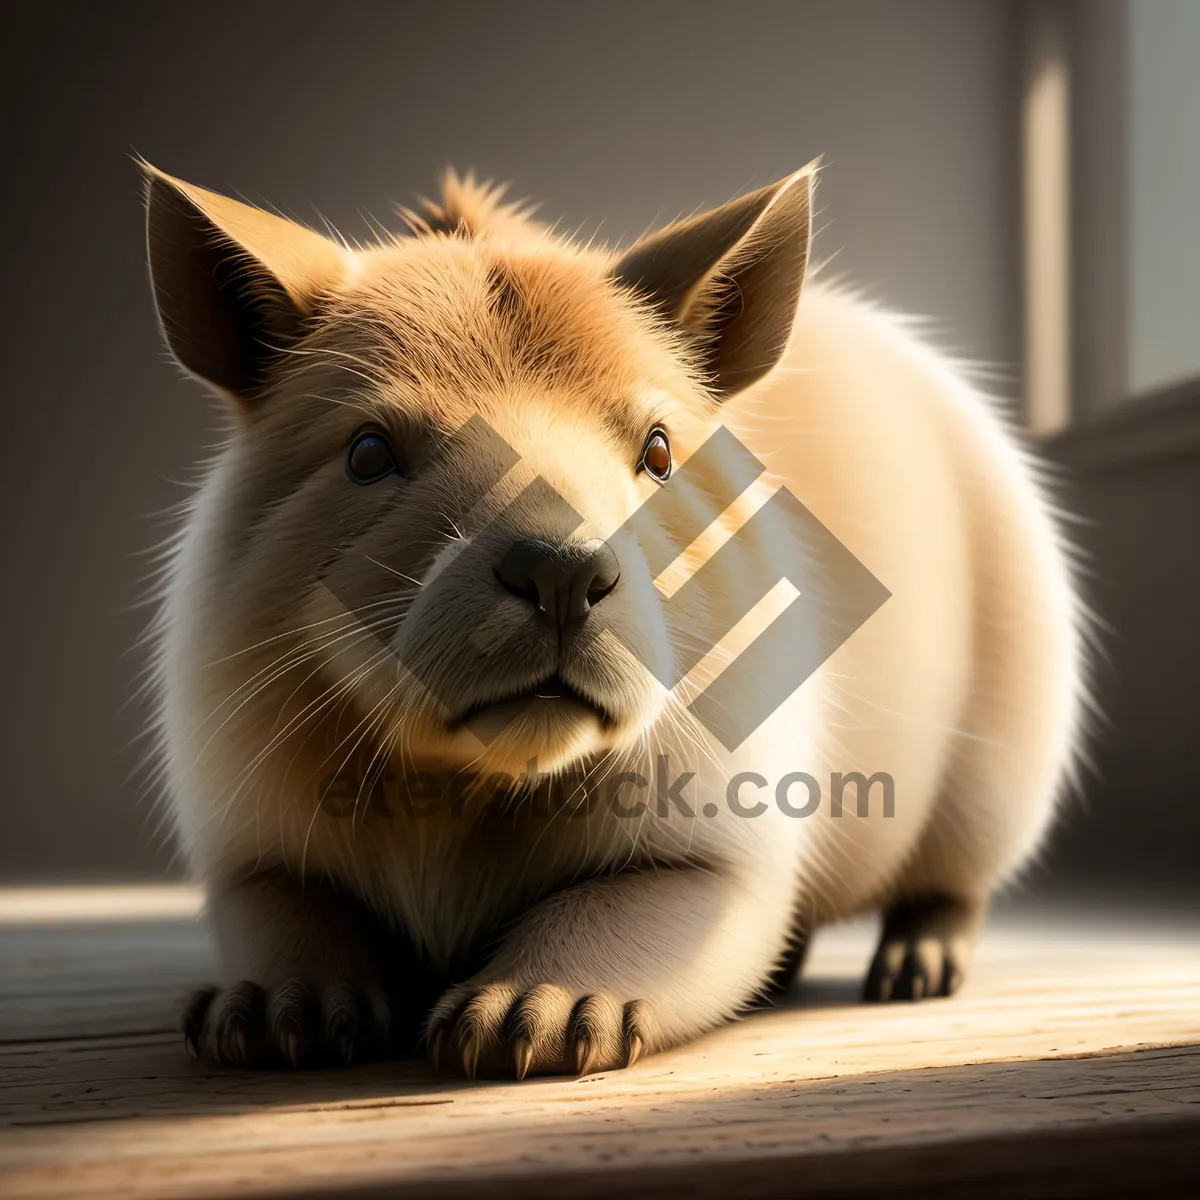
{"x":965,"y":686}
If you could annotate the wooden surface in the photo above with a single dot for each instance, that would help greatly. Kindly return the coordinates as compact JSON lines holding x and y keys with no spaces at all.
{"x":1069,"y":1065}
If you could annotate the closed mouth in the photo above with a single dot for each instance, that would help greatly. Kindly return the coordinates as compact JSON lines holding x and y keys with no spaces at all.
{"x":552,"y":688}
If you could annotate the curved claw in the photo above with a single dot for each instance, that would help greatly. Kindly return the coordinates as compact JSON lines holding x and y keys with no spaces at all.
{"x":522,"y":1056}
{"x":637,"y":1048}
{"x":291,"y":1046}
{"x":587,"y":1055}
{"x":233,"y":1045}
{"x":470,"y":1055}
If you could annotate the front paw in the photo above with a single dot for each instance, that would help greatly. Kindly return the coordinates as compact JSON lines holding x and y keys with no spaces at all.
{"x":291,"y":1025}
{"x":545,"y":1029}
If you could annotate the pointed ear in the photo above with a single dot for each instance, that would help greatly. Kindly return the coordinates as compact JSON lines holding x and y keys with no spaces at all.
{"x":730,"y":278}
{"x":233,"y":284}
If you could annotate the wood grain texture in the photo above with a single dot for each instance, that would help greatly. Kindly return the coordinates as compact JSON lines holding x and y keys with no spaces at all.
{"x":1070,"y":1065}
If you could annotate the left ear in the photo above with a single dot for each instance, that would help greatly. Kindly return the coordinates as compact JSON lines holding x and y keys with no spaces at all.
{"x":731,"y":278}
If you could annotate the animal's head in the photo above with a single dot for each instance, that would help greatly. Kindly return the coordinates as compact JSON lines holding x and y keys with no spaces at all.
{"x":439,"y":489}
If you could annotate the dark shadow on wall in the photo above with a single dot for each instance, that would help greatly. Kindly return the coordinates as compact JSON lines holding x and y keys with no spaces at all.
{"x":1132,"y":476}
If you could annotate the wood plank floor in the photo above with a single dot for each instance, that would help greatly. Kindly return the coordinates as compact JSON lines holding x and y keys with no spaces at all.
{"x":1069,"y":1065}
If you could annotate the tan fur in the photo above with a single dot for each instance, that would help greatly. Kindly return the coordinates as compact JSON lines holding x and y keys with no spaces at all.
{"x":964,"y":686}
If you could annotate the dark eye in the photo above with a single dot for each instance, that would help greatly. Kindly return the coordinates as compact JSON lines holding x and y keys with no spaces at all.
{"x":370,"y":458}
{"x":656,"y":457}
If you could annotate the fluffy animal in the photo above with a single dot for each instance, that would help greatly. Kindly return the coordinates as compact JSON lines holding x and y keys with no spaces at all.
{"x":455,"y":720}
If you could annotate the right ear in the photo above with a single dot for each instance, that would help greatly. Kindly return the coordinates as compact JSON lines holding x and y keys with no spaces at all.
{"x":233,"y":284}
{"x":730,"y":279}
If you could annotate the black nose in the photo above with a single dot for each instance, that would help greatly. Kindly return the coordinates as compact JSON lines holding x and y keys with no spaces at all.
{"x":563,"y":581}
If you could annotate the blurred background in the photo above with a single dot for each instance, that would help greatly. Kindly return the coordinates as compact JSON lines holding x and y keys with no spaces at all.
{"x":1024,"y":174}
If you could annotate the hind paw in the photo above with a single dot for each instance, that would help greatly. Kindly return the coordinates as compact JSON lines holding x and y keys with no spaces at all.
{"x":925,"y":949}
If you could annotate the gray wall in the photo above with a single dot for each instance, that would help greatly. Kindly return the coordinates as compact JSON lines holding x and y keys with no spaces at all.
{"x":615,"y":116}
{"x":1164,"y":192}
